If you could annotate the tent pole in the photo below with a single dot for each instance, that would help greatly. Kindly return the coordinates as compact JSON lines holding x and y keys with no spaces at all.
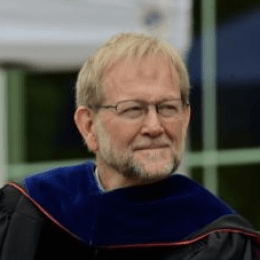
{"x":3,"y":128}
{"x":209,"y":94}
{"x":16,"y":119}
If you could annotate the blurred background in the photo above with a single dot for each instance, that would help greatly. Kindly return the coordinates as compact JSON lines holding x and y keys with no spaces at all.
{"x":44,"y":43}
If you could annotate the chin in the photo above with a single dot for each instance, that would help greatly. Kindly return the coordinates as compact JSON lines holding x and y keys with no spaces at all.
{"x":153,"y":170}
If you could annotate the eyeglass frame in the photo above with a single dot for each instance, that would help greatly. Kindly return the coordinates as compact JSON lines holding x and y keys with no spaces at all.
{"x":144,"y":103}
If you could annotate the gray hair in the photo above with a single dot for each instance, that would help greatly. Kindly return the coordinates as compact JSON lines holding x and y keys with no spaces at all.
{"x":89,"y":91}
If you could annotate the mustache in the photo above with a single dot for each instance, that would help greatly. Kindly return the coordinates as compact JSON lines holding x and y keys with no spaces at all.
{"x":151,"y":145}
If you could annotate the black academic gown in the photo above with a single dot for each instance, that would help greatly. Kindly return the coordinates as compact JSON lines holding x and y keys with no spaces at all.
{"x":62,"y":214}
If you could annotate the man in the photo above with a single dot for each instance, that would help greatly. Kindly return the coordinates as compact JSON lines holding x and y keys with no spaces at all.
{"x":133,"y":113}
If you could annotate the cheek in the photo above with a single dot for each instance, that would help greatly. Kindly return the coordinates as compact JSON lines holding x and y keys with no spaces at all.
{"x":175,"y":130}
{"x":125,"y":135}
{"x":122,"y":134}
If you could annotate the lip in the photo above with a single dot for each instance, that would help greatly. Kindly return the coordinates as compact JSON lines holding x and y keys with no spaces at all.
{"x":151,"y":147}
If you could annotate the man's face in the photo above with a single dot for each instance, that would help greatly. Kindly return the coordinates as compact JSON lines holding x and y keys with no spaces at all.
{"x":143,"y":149}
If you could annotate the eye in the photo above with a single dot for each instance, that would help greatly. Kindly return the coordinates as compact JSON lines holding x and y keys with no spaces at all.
{"x":130,"y":110}
{"x":168,"y":109}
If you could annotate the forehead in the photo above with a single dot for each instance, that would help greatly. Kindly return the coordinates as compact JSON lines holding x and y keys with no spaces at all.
{"x":150,"y":67}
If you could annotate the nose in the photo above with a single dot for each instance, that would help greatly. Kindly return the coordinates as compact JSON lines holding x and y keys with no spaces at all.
{"x":152,"y":125}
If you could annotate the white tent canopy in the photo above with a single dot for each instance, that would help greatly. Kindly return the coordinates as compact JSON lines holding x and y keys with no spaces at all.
{"x":59,"y":34}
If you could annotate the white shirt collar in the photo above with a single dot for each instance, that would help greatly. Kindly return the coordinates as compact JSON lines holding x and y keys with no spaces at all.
{"x":99,"y":184}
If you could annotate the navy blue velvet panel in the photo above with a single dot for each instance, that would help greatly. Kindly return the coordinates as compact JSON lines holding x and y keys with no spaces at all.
{"x":168,"y":210}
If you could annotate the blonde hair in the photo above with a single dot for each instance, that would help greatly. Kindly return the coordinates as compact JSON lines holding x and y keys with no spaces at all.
{"x":121,"y":46}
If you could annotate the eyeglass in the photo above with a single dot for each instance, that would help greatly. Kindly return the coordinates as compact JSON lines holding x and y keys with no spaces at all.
{"x":136,"y":108}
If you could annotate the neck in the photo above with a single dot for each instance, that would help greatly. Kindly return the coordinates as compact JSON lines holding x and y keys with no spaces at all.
{"x":112,"y":179}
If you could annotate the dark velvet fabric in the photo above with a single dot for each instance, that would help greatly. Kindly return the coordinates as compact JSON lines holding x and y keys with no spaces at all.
{"x":168,"y":210}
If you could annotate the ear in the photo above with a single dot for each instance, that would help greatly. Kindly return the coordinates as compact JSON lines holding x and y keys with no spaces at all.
{"x":187,"y":117}
{"x":84,"y":119}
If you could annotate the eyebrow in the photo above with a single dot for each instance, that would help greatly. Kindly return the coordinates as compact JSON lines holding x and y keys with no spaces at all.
{"x":155,"y":102}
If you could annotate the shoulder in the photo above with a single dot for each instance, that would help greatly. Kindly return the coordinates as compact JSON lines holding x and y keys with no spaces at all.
{"x":26,"y":232}
{"x":20,"y":222}
{"x":61,"y":180}
{"x":15,"y":199}
{"x":9,"y":198}
{"x":201,"y":199}
{"x":230,"y":236}
{"x":62,"y":175}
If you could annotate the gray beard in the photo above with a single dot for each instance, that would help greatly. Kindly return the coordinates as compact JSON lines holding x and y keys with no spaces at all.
{"x":132,"y":171}
{"x":135,"y":173}
{"x":127,"y":166}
